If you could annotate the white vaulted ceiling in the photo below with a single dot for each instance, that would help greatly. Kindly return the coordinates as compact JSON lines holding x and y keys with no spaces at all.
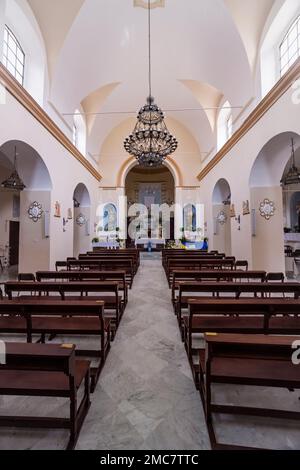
{"x":203,"y":52}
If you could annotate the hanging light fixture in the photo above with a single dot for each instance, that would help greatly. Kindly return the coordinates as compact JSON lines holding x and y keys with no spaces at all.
{"x":151,"y":142}
{"x":293,"y":175}
{"x":14,"y":182}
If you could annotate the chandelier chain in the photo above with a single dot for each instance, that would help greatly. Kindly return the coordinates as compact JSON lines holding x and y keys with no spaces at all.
{"x":149,"y":50}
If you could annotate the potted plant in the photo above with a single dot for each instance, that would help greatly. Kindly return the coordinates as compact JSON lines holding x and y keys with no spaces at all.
{"x":183,"y":238}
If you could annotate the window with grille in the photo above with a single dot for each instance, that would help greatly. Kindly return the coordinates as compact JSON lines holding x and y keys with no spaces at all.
{"x":13,"y":55}
{"x":290,"y":47}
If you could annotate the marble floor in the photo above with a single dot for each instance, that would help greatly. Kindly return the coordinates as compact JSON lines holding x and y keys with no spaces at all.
{"x":145,"y":398}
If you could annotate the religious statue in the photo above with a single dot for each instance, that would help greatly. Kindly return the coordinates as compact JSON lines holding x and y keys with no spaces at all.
{"x":246,"y":208}
{"x":57,"y":212}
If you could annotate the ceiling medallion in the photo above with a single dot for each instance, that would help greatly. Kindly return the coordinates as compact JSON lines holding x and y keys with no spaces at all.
{"x":267,"y":209}
{"x":150,"y":142}
{"x":35,"y":211}
{"x":222,"y":218}
{"x":153,"y":3}
{"x":81,"y":220}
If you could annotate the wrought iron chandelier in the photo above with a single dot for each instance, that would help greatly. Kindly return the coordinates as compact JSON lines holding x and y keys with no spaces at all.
{"x":293,"y":175}
{"x":150,"y":142}
{"x":14,"y":181}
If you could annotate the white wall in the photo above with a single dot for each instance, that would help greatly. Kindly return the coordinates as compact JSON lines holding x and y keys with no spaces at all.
{"x":34,"y":253}
{"x":65,"y":172}
{"x":82,"y":235}
{"x":236,"y":168}
{"x":268,"y":243}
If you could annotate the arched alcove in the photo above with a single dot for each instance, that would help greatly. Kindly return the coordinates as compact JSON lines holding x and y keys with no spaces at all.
{"x":82,"y":220}
{"x":110,"y":218}
{"x":152,"y":187}
{"x":189,"y":218}
{"x":221,"y":201}
{"x":22,"y":237}
{"x":268,"y":194}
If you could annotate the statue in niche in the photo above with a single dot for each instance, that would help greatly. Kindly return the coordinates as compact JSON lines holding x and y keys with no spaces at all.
{"x":246,"y":208}
{"x":232,"y":210}
{"x":57,"y":210}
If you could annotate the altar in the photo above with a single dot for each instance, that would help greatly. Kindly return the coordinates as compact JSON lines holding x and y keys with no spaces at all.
{"x":153,"y":241}
{"x":107,"y":244}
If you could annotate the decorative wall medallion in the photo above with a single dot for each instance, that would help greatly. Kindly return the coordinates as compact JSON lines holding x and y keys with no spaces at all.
{"x":222,"y":218}
{"x":81,"y":220}
{"x":35,"y":211}
{"x":153,"y":3}
{"x":267,"y":209}
{"x":57,"y":211}
{"x":232,"y":210}
{"x":246,"y":208}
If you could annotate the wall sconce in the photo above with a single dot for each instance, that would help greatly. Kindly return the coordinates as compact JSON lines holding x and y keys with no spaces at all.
{"x":253,"y":222}
{"x":238,"y":220}
{"x":47,"y":224}
{"x":65,"y":222}
{"x":216,"y":226}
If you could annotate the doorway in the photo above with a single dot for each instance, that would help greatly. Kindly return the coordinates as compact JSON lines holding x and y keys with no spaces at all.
{"x":14,"y":238}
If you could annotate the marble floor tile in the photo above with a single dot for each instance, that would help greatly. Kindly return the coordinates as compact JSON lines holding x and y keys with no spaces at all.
{"x":146,"y":398}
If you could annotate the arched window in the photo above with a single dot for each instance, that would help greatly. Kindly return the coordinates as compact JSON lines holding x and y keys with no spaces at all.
{"x":225,"y":125}
{"x":189,"y":218}
{"x":290,"y":47}
{"x":13,"y":55}
{"x":109,"y":218}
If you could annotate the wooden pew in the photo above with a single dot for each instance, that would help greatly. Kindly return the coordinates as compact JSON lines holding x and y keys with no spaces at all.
{"x":41,"y":317}
{"x":108,"y":264}
{"x":193,"y":264}
{"x":168,"y":254}
{"x":106,"y":291}
{"x":48,"y":371}
{"x":120,"y":258}
{"x":247,"y":360}
{"x":187,"y":256}
{"x":189,"y":290}
{"x":214,"y":275}
{"x":245,"y":316}
{"x":85,"y":276}
{"x":119,"y":253}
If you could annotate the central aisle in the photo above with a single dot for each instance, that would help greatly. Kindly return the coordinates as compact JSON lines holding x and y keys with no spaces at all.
{"x":146,"y":398}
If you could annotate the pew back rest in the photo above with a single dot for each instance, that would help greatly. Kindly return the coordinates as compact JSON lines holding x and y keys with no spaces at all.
{"x":249,"y":346}
{"x":239,"y":288}
{"x":61,"y":288}
{"x":40,"y":357}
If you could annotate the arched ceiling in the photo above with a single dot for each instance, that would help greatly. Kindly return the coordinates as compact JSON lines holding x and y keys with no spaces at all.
{"x":55,"y":19}
{"x":202,"y":51}
{"x":250,"y":17}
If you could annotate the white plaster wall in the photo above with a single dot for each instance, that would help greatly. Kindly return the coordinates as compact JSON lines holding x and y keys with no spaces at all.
{"x":65,"y":172}
{"x":222,"y":234}
{"x":6,"y":215}
{"x":268,"y":243}
{"x":82,"y":233}
{"x":34,"y":252}
{"x":236,"y":169}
